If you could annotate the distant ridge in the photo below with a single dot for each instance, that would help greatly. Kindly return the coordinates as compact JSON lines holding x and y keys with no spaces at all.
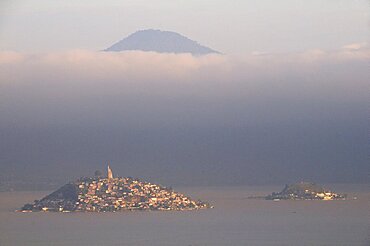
{"x":162,"y":42}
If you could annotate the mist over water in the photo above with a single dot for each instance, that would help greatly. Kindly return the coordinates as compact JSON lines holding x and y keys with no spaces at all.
{"x":179,"y":119}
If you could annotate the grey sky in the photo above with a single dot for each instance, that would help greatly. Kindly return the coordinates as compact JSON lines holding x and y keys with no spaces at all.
{"x":231,"y":26}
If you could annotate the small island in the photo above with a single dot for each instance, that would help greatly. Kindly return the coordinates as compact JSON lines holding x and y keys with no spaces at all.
{"x":305,"y":191}
{"x":111,"y":194}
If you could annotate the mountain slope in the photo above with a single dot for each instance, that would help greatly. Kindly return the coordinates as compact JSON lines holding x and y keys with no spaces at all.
{"x":160,"y":41}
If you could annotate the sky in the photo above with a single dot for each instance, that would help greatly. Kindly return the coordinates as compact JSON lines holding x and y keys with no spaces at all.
{"x":287,"y":101}
{"x":231,"y":26}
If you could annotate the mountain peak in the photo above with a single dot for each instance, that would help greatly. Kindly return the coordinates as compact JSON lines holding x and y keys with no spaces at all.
{"x":160,"y":41}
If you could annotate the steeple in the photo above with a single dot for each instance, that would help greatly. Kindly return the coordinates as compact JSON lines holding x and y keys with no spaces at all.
{"x":110,"y":173}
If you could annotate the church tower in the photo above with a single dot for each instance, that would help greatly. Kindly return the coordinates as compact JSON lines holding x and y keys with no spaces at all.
{"x":110,"y":173}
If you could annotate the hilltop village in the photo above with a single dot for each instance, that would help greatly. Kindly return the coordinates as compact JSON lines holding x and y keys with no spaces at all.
{"x":113,"y":194}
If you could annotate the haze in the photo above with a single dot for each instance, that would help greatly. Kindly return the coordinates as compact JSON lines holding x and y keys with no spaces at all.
{"x":234,"y":27}
{"x":287,"y":102}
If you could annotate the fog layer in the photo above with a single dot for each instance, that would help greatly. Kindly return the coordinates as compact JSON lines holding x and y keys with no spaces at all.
{"x":180,"y":119}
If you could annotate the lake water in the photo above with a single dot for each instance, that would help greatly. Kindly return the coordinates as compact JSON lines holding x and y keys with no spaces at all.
{"x":235,"y":220}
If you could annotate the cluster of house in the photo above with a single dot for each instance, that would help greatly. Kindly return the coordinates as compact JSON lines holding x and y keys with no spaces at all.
{"x":328,"y":196}
{"x":114,"y":194}
{"x":305,"y":191}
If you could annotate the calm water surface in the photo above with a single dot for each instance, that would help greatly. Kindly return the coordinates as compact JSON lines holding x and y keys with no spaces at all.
{"x":235,"y":220}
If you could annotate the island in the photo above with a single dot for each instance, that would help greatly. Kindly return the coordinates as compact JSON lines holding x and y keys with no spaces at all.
{"x":305,"y":191}
{"x":109,"y":194}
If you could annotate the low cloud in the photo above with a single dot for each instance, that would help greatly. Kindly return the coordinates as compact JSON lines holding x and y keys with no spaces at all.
{"x":87,"y":65}
{"x":135,"y":82}
{"x":356,"y":46}
{"x":151,"y":66}
{"x":257,"y":118}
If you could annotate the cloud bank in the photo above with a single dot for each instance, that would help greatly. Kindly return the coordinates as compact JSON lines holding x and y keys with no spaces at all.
{"x":226,"y":116}
{"x":125,"y":80}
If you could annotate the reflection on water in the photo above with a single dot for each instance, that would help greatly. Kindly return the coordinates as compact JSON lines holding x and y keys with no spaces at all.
{"x":235,"y":220}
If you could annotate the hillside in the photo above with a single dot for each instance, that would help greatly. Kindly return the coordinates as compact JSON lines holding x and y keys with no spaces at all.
{"x":113,"y":194}
{"x":162,"y":42}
